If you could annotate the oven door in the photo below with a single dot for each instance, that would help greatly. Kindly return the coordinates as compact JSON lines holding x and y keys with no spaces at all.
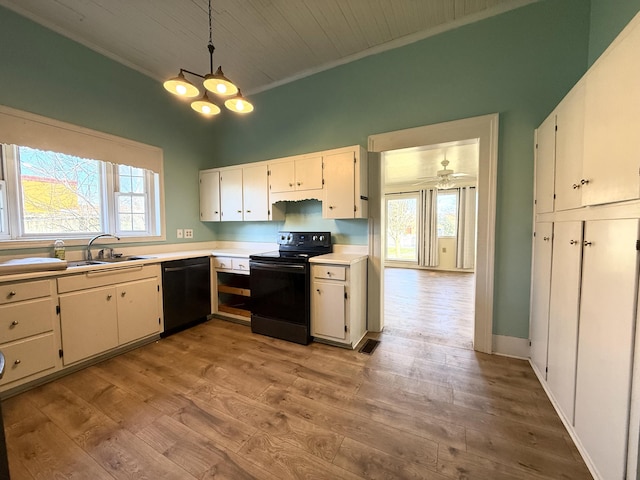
{"x":280,"y":300}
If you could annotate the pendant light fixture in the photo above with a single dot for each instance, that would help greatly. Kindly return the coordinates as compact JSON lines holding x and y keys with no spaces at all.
{"x":216,"y":83}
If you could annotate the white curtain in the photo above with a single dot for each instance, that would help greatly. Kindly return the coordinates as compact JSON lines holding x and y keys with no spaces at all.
{"x":429,"y":257}
{"x":466,"y":241}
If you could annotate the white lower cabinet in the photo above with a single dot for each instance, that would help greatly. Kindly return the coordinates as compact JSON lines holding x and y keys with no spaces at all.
{"x":606,"y":342}
{"x":28,"y":334}
{"x":541,"y":282}
{"x":338,"y":302}
{"x":586,"y":358}
{"x":564,"y":305}
{"x":123,"y":306}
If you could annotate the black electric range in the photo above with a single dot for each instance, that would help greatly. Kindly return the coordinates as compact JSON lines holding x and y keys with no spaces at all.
{"x":280,"y":286}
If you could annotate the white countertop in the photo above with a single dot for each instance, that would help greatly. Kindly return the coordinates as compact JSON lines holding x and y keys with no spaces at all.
{"x":339,"y":258}
{"x":152,"y":258}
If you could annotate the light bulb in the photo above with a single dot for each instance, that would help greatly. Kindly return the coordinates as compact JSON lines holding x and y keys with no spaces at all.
{"x":221,"y":88}
{"x":206,"y":109}
{"x":181,"y":89}
{"x":239,"y":105}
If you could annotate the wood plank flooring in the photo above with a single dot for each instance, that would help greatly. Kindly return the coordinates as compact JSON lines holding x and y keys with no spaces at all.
{"x":217,"y":401}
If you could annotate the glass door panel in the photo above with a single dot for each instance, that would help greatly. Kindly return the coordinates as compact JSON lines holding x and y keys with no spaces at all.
{"x":402,"y":227}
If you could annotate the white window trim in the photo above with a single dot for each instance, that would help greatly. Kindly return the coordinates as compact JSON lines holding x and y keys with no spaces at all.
{"x":26,"y":129}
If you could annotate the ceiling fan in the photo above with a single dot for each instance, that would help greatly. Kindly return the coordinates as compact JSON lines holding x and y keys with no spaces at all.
{"x":445,"y":178}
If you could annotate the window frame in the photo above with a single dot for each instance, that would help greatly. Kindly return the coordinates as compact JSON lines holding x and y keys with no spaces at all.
{"x":30,"y":130}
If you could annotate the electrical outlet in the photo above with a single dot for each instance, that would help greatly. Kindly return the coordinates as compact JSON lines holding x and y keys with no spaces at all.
{"x":188,"y":233}
{"x":179,"y":233}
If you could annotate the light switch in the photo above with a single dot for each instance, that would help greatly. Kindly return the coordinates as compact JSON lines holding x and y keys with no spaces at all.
{"x":179,"y":233}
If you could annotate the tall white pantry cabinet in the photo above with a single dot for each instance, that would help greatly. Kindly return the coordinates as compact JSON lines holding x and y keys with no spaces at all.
{"x":584,"y":292}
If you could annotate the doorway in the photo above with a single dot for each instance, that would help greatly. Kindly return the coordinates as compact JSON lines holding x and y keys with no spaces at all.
{"x":485,"y":130}
{"x":430,"y":198}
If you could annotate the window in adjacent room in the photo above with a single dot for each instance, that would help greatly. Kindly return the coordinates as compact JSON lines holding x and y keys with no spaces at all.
{"x":447,"y":213}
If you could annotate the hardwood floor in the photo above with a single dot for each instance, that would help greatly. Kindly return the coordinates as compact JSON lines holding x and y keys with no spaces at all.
{"x":217,"y":401}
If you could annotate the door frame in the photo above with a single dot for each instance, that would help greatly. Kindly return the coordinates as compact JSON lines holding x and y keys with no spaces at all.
{"x":485,"y":129}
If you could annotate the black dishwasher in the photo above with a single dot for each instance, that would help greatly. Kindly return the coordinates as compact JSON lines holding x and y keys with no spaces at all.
{"x":186,"y":293}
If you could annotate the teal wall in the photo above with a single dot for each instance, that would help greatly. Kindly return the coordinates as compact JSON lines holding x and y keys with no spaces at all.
{"x":45,"y":73}
{"x":519,"y":64}
{"x":608,"y":18}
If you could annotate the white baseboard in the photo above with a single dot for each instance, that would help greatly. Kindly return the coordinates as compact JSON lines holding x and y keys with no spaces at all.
{"x":511,"y":346}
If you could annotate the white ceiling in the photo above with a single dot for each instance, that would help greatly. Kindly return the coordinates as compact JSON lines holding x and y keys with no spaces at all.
{"x":259,"y":43}
{"x":418,"y":166}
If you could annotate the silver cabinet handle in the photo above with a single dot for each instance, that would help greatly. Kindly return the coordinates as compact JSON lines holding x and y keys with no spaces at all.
{"x":330,"y":207}
{"x":587,"y":244}
{"x":17,"y":362}
{"x":1,"y":364}
{"x":291,"y":184}
{"x":299,"y":183}
{"x":14,"y":323}
{"x":123,"y":294}
{"x":248,"y":211}
{"x":109,"y":297}
{"x":12,"y":293}
{"x":546,"y":239}
{"x":574,"y":242}
{"x":584,"y":181}
{"x":576,"y":185}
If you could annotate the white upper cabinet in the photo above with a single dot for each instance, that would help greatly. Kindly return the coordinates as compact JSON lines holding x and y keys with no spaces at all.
{"x":345,"y":183}
{"x":300,"y":173}
{"x":612,"y":122}
{"x":254,"y":193}
{"x":231,"y":195}
{"x":569,"y":149}
{"x":210,"y":196}
{"x":545,"y":161}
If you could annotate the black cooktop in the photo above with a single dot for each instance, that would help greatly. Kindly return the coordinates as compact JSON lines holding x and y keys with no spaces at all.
{"x":298,"y":247}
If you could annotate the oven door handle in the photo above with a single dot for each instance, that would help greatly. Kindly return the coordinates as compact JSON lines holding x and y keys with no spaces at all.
{"x":278,"y":267}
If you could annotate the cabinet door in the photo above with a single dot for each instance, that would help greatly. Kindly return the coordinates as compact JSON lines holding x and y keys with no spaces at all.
{"x":281,"y":177}
{"x":541,"y":286}
{"x":328,"y":311}
{"x":231,"y":195}
{"x":255,"y":193}
{"x":138,"y":314}
{"x":545,"y":164}
{"x":210,"y":196}
{"x":605,"y":342}
{"x":309,"y":173}
{"x":339,"y":185}
{"x":563,"y":313}
{"x":88,"y":323}
{"x":569,"y":148}
{"x":612,"y":123}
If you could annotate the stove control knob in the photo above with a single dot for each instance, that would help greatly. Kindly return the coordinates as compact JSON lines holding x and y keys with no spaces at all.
{"x":315,"y":238}
{"x":322,"y":238}
{"x":282,"y":237}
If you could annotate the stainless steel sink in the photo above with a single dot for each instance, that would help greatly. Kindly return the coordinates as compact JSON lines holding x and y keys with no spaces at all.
{"x":104,"y":261}
{"x":123,"y":258}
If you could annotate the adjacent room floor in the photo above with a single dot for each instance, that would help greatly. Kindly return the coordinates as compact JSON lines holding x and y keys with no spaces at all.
{"x":217,"y":401}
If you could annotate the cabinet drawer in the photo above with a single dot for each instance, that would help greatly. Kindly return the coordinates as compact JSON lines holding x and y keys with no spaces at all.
{"x":330,"y":272}
{"x":17,"y":292}
{"x":241,"y":264}
{"x":27,"y":357}
{"x":224,"y":263}
{"x":228,"y":263}
{"x":25,"y":319}
{"x":107,"y":276}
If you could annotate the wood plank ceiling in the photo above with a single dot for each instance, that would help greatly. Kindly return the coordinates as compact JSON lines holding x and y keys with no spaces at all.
{"x":259,"y":43}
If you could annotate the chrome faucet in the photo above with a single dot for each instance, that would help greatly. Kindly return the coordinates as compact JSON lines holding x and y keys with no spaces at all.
{"x":89,"y":257}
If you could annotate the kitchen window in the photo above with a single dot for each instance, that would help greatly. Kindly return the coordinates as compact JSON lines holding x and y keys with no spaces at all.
{"x":60,"y":195}
{"x":62,"y":181}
